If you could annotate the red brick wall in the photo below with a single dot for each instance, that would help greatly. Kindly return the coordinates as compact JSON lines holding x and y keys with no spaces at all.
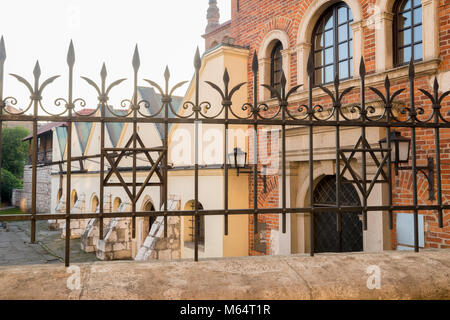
{"x":251,"y":24}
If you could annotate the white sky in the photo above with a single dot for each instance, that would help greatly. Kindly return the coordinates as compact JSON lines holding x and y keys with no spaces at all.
{"x":167,"y":33}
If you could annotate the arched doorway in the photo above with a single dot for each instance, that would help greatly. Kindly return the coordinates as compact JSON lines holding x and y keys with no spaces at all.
{"x":326,"y":236}
{"x":148,"y":221}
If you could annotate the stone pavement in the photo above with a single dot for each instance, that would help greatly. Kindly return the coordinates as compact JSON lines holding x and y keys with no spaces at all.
{"x":402,"y":275}
{"x":16,"y":249}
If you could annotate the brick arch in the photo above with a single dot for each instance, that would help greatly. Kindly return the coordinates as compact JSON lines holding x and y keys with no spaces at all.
{"x":277,"y":23}
{"x":314,"y":9}
{"x":308,"y":17}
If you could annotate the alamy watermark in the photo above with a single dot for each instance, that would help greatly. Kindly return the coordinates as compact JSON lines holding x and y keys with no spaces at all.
{"x":374,"y":279}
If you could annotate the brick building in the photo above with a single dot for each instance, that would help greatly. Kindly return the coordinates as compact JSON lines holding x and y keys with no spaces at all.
{"x":387,"y":34}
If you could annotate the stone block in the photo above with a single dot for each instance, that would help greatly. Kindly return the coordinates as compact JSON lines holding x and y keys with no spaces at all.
{"x":165,"y":254}
{"x":119,"y":246}
{"x":162,"y":244}
{"x":121,"y":255}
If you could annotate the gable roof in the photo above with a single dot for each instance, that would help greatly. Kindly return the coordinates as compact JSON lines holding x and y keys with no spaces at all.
{"x":44,"y":129}
{"x":114,"y":128}
{"x":154,"y":99}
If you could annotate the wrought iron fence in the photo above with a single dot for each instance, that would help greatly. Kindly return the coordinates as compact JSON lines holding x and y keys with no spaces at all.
{"x":257,"y":114}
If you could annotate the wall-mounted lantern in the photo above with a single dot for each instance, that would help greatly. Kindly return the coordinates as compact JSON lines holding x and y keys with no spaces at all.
{"x":238,"y":160}
{"x":400,"y":151}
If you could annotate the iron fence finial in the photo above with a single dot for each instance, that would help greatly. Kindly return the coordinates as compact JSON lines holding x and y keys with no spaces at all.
{"x":310,"y":65}
{"x":436,"y":87}
{"x":2,"y":50}
{"x":226,"y":77}
{"x":37,"y":70}
{"x":103,"y":72}
{"x":197,"y":60}
{"x":411,"y":71}
{"x":71,"y":55}
{"x":167,"y":74}
{"x":255,"y":66}
{"x":136,"y":61}
{"x":362,"y":68}
{"x":283,"y":80}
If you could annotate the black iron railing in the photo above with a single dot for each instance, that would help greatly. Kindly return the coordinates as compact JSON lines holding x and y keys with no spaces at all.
{"x":254,"y":114}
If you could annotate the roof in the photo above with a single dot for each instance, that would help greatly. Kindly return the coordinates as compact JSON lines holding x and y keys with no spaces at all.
{"x":154,"y":99}
{"x":49,"y":126}
{"x":45,"y":128}
{"x":84,"y":112}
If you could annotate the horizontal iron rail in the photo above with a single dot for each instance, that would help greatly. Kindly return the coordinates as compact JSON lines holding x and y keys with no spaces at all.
{"x":273,"y":122}
{"x":218,"y":212}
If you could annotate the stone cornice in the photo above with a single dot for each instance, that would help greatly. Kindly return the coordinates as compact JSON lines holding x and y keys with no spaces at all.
{"x":425,"y":68}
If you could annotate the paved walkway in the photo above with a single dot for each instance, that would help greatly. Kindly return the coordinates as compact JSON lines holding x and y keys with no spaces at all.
{"x":16,"y":249}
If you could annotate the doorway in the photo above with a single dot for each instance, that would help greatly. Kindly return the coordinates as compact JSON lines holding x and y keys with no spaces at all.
{"x":326,"y":236}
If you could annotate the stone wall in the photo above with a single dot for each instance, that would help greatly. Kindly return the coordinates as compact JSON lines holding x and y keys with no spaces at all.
{"x":155,"y":245}
{"x":403,"y":275}
{"x":117,"y":243}
{"x":22,"y":197}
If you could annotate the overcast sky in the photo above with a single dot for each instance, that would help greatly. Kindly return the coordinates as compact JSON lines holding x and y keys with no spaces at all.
{"x":167,"y":33}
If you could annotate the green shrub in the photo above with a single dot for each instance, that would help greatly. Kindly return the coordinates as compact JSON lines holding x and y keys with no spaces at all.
{"x":14,"y":151}
{"x":8,"y":183}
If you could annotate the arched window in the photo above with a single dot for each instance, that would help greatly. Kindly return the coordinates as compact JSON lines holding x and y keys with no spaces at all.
{"x":276,"y":66}
{"x":407,"y":32}
{"x":333,"y":44}
{"x":73,"y":199}
{"x":189,"y":224}
{"x":116,"y":204}
{"x":94,"y":204}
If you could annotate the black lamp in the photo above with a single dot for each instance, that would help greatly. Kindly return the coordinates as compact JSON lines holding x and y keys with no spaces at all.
{"x":400,"y":147}
{"x":400,"y":150}
{"x":237,"y":159}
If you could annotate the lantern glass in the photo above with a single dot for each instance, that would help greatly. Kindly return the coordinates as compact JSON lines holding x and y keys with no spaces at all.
{"x":400,"y":147}
{"x":237,"y":158}
{"x":403,"y":150}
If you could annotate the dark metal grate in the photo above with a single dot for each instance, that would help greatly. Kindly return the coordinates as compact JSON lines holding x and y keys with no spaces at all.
{"x":327,"y":236}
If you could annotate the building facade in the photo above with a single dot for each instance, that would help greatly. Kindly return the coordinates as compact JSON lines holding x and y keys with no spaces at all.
{"x":387,"y":34}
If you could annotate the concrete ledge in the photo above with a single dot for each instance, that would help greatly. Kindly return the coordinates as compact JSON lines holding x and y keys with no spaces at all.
{"x":404,"y":275}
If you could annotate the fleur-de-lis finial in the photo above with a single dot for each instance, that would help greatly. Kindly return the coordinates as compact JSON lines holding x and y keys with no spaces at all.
{"x":37,"y":70}
{"x":310,"y":65}
{"x":167,"y":74}
{"x":283,"y":80}
{"x":336,"y":81}
{"x":197,"y":60}
{"x":226,"y":77}
{"x":411,"y":71}
{"x":255,"y":65}
{"x":71,"y":55}
{"x":103,"y":72}
{"x":362,"y":68}
{"x":2,"y":50}
{"x":387,"y":83}
{"x":436,"y":86}
{"x":136,"y":59}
